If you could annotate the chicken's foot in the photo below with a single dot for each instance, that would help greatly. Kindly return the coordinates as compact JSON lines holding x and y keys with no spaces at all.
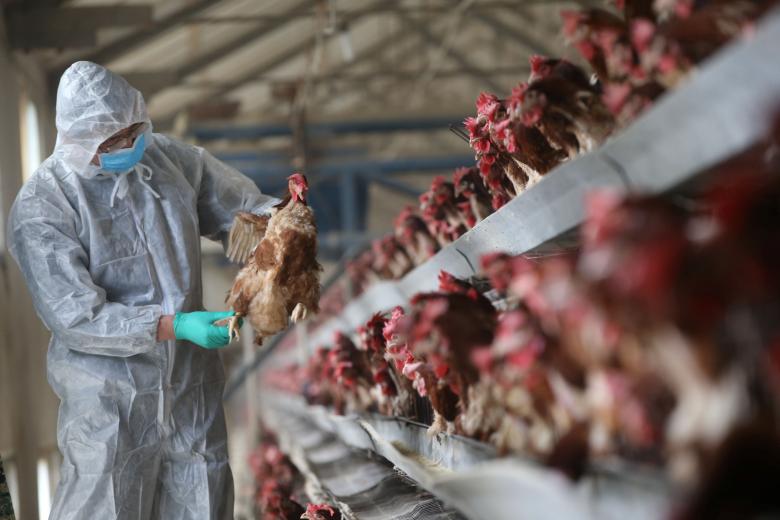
{"x":438,"y":426}
{"x":232,"y":324}
{"x":234,"y":328}
{"x":299,"y":313}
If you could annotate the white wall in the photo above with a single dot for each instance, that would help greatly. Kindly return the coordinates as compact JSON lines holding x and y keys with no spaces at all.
{"x":28,"y":408}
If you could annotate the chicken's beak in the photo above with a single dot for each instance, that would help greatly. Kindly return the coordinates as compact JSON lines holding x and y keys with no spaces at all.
{"x":302,"y":190}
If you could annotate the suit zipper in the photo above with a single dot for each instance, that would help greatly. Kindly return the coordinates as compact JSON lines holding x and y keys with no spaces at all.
{"x":164,"y":409}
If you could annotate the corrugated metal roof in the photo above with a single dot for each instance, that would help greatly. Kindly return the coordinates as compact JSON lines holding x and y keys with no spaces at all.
{"x":415,"y":60}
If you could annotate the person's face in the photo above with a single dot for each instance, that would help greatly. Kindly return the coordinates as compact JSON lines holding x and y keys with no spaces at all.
{"x":122,"y":139}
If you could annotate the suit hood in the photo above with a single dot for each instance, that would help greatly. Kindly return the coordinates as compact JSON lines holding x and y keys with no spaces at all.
{"x":93,"y":104}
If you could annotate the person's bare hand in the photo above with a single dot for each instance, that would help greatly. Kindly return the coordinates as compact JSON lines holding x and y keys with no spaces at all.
{"x":165,"y":329}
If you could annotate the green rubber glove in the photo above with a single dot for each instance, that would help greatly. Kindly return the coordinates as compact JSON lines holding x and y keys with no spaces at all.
{"x":198,"y":327}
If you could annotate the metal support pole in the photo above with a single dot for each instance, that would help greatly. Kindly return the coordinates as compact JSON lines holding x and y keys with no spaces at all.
{"x":349,"y":202}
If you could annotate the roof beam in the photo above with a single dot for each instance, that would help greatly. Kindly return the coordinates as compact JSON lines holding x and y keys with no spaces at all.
{"x":525,"y":39}
{"x":388,"y":7}
{"x":462,"y":61}
{"x":373,"y":51}
{"x":378,"y":93}
{"x":367,"y":168}
{"x":374,"y":54}
{"x":150,"y":82}
{"x":220,"y":52}
{"x":68,"y":27}
{"x":133,"y":41}
{"x":288,"y":54}
{"x":213,"y":56}
{"x":274,"y":62}
{"x":370,"y":53}
{"x":252,"y":132}
{"x":339,"y":77}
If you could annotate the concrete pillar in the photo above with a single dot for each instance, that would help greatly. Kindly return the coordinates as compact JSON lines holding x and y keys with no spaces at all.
{"x":29,"y":407}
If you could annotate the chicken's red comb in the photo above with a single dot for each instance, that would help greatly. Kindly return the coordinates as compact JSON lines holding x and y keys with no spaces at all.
{"x":642,"y":33}
{"x":517,"y":95}
{"x":313,"y":511}
{"x":460,"y":174}
{"x":298,"y":178}
{"x":398,"y":311}
{"x":571,"y":21}
{"x":448,"y":283}
{"x":438,"y":181}
{"x":484,"y":99}
{"x":417,"y":298}
{"x":377,"y":317}
{"x":536,"y":62}
{"x":391,"y":327}
{"x":403,"y":216}
{"x":498,"y":201}
{"x":472,"y":125}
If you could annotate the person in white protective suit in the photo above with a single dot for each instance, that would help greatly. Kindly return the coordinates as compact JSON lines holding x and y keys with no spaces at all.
{"x":107,"y":234}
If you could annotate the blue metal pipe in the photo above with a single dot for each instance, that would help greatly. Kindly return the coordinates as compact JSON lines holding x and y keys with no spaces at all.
{"x":252,"y":155}
{"x":284,"y":156}
{"x":402,"y":165}
{"x":240,"y":132}
{"x":335,"y":128}
{"x":349,"y":203}
{"x":367,"y":167}
{"x":396,"y":185}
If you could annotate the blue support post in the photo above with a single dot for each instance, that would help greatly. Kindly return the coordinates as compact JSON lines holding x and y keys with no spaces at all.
{"x":349,"y":202}
{"x":395,"y":185}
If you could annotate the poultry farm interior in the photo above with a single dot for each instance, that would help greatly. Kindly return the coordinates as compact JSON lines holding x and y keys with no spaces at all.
{"x":624,"y":365}
{"x":518,"y":259}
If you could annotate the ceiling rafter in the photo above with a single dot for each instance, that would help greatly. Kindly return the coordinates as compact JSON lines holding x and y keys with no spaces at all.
{"x":217,"y":90}
{"x":138,"y":39}
{"x":523,"y":37}
{"x":368,"y":54}
{"x":339,"y":77}
{"x":374,"y":54}
{"x":388,"y":7}
{"x":40,"y":27}
{"x":169,"y":78}
{"x":373,"y":91}
{"x":466,"y":64}
{"x":286,"y":55}
{"x":290,"y":53}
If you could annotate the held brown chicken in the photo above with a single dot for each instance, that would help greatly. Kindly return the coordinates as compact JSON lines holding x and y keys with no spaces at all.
{"x":280,"y":281}
{"x":247,"y":231}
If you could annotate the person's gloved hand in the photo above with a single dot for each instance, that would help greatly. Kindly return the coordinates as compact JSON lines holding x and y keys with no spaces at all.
{"x":198,"y":327}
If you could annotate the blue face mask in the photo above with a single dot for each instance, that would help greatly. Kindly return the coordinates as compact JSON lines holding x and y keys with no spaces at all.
{"x":125,"y":159}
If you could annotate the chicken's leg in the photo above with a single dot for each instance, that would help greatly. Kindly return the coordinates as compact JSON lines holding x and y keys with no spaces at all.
{"x":299,"y":313}
{"x":232,"y":324}
{"x":439,"y":425}
{"x":234,"y":328}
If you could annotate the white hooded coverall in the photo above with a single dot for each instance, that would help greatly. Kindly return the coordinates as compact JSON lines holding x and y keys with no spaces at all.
{"x":141,"y":425}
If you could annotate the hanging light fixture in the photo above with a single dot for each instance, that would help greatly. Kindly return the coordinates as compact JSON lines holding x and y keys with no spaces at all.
{"x":345,"y":42}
